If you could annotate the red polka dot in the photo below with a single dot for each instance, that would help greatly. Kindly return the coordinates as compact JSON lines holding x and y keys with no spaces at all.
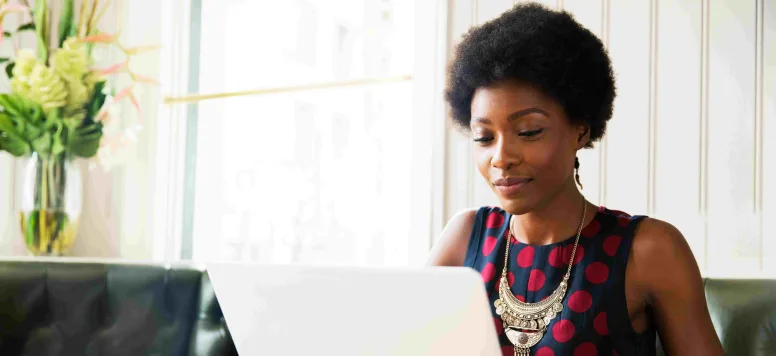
{"x":535,"y":280}
{"x":520,"y":298}
{"x":495,"y":220}
{"x":525,"y":257}
{"x":488,"y":272}
{"x":545,"y":351}
{"x":611,"y":244}
{"x":499,"y":326}
{"x":559,"y":256}
{"x":580,"y":301}
{"x":591,"y":229}
{"x":623,"y":221}
{"x":577,"y":255}
{"x":586,"y":349}
{"x":563,"y":330}
{"x":556,"y":257}
{"x":600,"y":325}
{"x":507,"y":350}
{"x":489,"y":245}
{"x":597,"y":273}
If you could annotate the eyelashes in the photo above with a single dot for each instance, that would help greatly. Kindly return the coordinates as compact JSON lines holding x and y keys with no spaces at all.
{"x":528,"y":135}
{"x":483,"y":139}
{"x":531,"y":133}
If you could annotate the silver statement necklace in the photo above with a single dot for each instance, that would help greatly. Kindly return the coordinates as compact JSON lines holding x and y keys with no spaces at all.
{"x":526,"y":323}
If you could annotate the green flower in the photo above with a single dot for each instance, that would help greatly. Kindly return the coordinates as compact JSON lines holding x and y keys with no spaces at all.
{"x":71,"y":62}
{"x":47,"y":88}
{"x":78,"y":94}
{"x":25,"y":63}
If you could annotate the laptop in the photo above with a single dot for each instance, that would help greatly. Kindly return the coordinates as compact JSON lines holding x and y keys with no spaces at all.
{"x":283,"y":310}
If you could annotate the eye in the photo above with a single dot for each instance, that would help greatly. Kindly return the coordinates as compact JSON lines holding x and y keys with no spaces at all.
{"x":530,"y":133}
{"x":483,"y":139}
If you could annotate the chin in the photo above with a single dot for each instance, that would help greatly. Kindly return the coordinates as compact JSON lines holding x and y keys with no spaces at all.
{"x":516,"y":206}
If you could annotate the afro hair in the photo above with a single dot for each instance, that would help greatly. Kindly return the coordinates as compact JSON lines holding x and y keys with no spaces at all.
{"x":535,"y":45}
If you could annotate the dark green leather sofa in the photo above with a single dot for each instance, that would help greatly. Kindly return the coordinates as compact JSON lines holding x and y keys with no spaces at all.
{"x":744,"y":315}
{"x":54,"y":308}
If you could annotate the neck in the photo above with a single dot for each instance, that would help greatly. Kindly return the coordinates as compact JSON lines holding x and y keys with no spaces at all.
{"x":554,"y":221}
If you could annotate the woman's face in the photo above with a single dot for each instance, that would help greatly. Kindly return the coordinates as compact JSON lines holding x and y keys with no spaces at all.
{"x":524,"y":146}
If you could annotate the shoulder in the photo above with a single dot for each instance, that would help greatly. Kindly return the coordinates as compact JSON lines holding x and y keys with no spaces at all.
{"x":450,"y":248}
{"x":654,"y":235}
{"x":655,"y":240}
{"x":661,"y":257}
{"x":667,"y":276}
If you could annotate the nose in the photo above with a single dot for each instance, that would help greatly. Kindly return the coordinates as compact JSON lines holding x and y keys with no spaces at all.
{"x":504,"y":155}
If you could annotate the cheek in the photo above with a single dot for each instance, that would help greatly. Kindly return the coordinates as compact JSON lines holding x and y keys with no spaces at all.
{"x":548,"y":161}
{"x":482,"y":158}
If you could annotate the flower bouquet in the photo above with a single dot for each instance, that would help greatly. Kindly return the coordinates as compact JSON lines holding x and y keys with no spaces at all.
{"x":56,"y":111}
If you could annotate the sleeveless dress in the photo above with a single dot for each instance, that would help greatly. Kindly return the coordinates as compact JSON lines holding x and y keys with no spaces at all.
{"x":594,"y":320}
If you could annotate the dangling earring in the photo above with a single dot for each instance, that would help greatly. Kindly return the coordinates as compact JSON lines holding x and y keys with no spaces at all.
{"x":576,"y":172}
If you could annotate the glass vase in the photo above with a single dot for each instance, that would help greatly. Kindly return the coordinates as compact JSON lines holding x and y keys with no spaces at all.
{"x":50,"y":206}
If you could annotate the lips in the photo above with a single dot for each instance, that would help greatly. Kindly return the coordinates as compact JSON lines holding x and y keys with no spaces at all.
{"x":512,"y":185}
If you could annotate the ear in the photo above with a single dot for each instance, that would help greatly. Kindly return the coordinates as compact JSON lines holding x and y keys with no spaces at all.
{"x":583,"y":136}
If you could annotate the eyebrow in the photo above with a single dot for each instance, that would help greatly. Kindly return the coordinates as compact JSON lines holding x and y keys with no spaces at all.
{"x":515,"y":115}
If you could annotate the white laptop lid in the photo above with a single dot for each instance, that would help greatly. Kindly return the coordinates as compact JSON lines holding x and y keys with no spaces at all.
{"x":303,"y":310}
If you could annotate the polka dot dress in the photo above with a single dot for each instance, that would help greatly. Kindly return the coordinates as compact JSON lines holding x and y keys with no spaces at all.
{"x":594,"y":320}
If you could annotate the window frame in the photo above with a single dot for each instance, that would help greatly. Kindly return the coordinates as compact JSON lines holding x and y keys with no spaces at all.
{"x":177,"y":132}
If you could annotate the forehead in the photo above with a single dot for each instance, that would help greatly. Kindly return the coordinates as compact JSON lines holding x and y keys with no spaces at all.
{"x":503,"y":98}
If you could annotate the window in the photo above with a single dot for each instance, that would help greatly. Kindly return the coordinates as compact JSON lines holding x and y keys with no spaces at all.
{"x":318,"y":177}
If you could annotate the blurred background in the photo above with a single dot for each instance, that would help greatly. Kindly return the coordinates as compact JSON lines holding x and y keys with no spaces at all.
{"x":365,"y":170}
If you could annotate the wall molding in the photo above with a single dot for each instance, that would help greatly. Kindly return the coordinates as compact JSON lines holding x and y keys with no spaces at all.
{"x":168,"y":197}
{"x":703,"y":178}
{"x":759,"y":137}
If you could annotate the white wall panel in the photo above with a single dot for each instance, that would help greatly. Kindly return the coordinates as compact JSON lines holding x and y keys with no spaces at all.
{"x":626,"y":183}
{"x":679,"y":121}
{"x":732,"y":227}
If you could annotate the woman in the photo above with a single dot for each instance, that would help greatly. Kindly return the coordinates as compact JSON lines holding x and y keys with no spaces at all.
{"x":533,"y":87}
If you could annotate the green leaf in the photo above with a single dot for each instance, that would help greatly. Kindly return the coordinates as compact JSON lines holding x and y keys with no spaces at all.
{"x":9,"y":69}
{"x":11,"y":104}
{"x":31,"y":132}
{"x":14,"y":146}
{"x":12,"y":140}
{"x":42,"y":145}
{"x":41,"y":19}
{"x":6,"y":34}
{"x":66,"y":23}
{"x":98,"y":99}
{"x":26,"y":27}
{"x":85,"y":141}
{"x":3,"y":60}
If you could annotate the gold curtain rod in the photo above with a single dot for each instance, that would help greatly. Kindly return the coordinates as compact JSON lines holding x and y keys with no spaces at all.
{"x":361,"y":82}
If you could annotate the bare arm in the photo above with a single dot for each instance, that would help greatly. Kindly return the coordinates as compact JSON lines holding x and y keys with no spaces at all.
{"x":450,"y":248}
{"x":666,"y":270}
